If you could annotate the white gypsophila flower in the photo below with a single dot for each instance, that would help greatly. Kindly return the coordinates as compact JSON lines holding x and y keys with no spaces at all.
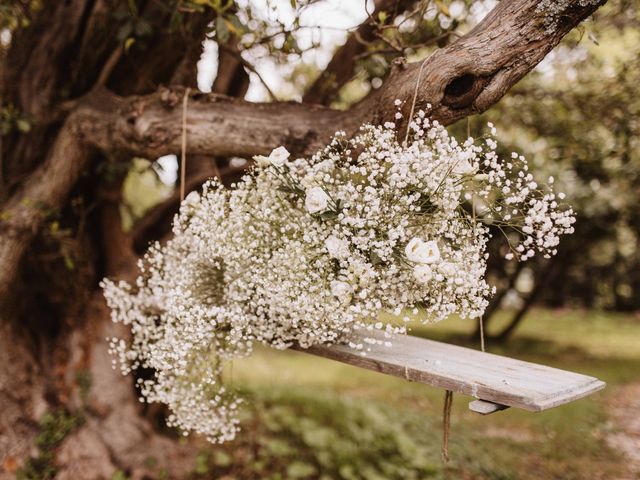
{"x":316,"y":200}
{"x":422,"y":273}
{"x":337,"y":248}
{"x":279,"y":156}
{"x":447,"y":269}
{"x":465,"y":167}
{"x":419,"y":251}
{"x":341,"y":290}
{"x":257,"y":263}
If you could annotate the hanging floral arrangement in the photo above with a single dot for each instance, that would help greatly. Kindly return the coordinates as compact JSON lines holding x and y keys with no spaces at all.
{"x":309,"y":251}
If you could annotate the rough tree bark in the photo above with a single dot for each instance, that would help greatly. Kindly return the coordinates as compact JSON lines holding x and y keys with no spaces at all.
{"x":96,"y":105}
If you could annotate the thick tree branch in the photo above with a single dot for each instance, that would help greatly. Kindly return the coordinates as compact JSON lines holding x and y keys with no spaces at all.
{"x":473,"y":73}
{"x":45,"y":191}
{"x":217,"y":125}
{"x":463,"y":78}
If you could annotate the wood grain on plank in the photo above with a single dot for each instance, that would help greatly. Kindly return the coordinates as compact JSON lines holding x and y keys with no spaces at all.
{"x":485,"y":376}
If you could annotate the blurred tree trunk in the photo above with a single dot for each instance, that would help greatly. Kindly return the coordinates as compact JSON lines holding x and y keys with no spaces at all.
{"x":54,"y":321}
{"x":544,"y":277}
{"x":496,"y":300}
{"x":91,"y":105}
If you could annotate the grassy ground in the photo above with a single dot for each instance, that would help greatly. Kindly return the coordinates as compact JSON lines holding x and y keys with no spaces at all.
{"x":313,"y":418}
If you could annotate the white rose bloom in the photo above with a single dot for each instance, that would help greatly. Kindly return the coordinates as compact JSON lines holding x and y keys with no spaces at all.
{"x":279,"y":156}
{"x":261,"y":160}
{"x":419,"y":251}
{"x":316,"y":200}
{"x":192,"y":198}
{"x":433,"y":252}
{"x":340,"y":289}
{"x":422,"y":273}
{"x":337,"y":247}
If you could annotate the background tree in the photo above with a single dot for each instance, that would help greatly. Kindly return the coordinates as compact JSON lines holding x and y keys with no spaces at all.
{"x":576,"y":119}
{"x":84,"y":91}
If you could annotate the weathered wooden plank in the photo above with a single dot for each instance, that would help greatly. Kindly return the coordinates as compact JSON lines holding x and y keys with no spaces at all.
{"x":485,"y":376}
{"x":485,"y":408}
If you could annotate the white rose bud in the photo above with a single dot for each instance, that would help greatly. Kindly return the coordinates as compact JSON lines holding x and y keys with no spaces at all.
{"x":337,"y":247}
{"x":316,"y":200}
{"x":422,"y":273}
{"x":422,"y":252}
{"x":279,"y":156}
{"x":192,"y":198}
{"x":261,"y":161}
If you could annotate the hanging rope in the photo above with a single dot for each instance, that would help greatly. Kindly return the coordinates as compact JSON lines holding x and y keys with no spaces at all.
{"x":473,"y":210}
{"x":183,"y":154}
{"x":448,"y":397}
{"x":415,"y":97}
{"x":446,"y":424}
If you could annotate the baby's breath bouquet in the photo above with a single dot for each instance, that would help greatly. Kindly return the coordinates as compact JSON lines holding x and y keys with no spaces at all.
{"x":308,"y":251}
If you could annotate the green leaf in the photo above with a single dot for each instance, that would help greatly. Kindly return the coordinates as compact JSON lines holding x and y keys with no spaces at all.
{"x":128,"y":43}
{"x":278,"y":447}
{"x":221,"y":459}
{"x":299,"y":469}
{"x":133,"y":8}
{"x":202,"y":466}
{"x":443,"y":8}
{"x":222,"y":30}
{"x":68,"y":261}
{"x":22,"y":125}
{"x":288,"y":189}
{"x":290,"y":44}
{"x":119,"y":475}
{"x":237,"y":26}
{"x":328,"y":215}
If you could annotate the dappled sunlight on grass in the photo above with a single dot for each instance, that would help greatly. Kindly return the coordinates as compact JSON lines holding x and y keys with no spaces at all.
{"x":328,"y":417}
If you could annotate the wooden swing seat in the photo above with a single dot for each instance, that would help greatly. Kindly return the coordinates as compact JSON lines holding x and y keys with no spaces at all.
{"x":497,"y":382}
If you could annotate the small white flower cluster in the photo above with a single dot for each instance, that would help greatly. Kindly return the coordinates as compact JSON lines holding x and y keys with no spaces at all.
{"x":306,"y":251}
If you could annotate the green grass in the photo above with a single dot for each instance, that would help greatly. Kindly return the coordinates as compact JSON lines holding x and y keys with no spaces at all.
{"x":54,"y":426}
{"x":308,"y":417}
